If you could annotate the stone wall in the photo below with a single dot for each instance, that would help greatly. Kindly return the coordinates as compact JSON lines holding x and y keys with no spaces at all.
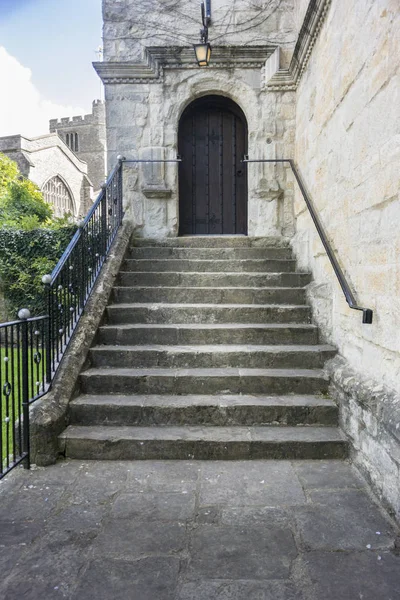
{"x":149,"y":82}
{"x":348,"y":151}
{"x":130,"y":26}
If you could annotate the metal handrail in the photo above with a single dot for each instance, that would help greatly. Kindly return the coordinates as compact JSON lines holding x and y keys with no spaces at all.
{"x":84,"y":222}
{"x":350,"y":299}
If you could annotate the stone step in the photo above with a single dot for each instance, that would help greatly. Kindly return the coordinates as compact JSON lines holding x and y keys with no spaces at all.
{"x":214,"y":280}
{"x":191,"y":410}
{"x":191,"y":443}
{"x":203,"y":381}
{"x":213,"y":241}
{"x":215,"y":333}
{"x":222,"y":356}
{"x":234,"y":266}
{"x":208,"y":313}
{"x":208,"y":295}
{"x":151,"y":252}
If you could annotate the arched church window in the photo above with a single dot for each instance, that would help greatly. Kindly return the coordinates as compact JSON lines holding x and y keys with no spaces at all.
{"x":72,"y":141}
{"x":56,"y":193}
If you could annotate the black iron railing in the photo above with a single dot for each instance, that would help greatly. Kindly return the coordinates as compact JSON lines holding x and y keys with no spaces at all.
{"x":31,"y":349}
{"x":70,"y":284}
{"x":23,"y":380}
{"x":351,"y":301}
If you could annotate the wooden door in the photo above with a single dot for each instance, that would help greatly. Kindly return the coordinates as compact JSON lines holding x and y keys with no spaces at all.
{"x":212,"y":179}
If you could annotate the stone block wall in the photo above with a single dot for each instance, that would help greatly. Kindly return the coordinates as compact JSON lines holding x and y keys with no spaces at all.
{"x":131,"y":26}
{"x":348,"y":152}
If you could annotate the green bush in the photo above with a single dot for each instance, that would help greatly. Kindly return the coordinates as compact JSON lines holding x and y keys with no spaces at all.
{"x":25,"y":256}
{"x":31,"y":240}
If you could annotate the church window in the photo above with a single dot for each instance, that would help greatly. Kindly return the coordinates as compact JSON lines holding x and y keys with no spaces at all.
{"x":72,"y":141}
{"x":56,"y":193}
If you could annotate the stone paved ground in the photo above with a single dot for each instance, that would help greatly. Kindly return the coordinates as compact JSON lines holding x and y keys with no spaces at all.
{"x":260,"y":530}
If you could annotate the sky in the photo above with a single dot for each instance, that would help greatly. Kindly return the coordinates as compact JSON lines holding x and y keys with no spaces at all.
{"x":46,"y":52}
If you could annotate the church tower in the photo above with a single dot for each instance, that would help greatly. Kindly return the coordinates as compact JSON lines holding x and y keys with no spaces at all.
{"x":86,"y":137}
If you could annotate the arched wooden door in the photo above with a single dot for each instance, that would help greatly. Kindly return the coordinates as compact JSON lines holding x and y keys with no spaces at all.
{"x":212,"y":179}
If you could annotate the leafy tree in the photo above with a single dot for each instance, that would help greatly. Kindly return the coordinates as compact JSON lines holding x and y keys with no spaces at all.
{"x":8,"y":173}
{"x":21,"y":202}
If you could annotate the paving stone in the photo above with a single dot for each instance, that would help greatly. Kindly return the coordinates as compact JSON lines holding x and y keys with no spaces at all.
{"x":165,"y":476}
{"x":124,"y":538}
{"x":10,"y":557}
{"x":259,"y":483}
{"x":155,"y":506}
{"x":76,"y":518}
{"x":98,"y":485}
{"x":244,"y":516}
{"x":239,"y":590}
{"x":208,"y":514}
{"x":227,"y":552}
{"x":31,"y":502}
{"x":357,"y":575}
{"x":346,"y":520}
{"x":19,"y":533}
{"x":333,"y":475}
{"x":49,"y":570}
{"x":152,"y":578}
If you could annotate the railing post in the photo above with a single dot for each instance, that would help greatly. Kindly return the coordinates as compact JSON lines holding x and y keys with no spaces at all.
{"x":24,"y":315}
{"x":103,"y":219}
{"x":121,"y":160}
{"x":46,"y":280}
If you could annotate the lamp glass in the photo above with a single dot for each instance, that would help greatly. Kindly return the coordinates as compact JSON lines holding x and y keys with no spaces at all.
{"x":203,"y":54}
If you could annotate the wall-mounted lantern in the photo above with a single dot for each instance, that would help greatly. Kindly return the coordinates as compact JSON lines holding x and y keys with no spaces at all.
{"x":203,"y":49}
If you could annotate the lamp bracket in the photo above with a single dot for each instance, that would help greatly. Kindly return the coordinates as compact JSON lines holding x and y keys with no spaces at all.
{"x":206,"y":13}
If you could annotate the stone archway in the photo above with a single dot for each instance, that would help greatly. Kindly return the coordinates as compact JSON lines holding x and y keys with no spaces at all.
{"x":212,"y":141}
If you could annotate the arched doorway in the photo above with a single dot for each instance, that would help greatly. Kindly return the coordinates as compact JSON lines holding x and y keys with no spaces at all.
{"x":212,"y":180}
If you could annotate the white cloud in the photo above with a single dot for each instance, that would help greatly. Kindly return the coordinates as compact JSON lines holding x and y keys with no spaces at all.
{"x":22,"y":108}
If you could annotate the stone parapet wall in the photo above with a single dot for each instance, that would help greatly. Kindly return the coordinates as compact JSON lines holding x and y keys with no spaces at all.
{"x":95,"y":117}
{"x":370,"y":415}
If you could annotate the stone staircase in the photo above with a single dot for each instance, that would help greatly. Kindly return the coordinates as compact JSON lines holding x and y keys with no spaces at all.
{"x":208,"y":353}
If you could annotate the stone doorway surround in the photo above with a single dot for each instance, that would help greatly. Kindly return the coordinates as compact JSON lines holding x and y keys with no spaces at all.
{"x":144,"y":103}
